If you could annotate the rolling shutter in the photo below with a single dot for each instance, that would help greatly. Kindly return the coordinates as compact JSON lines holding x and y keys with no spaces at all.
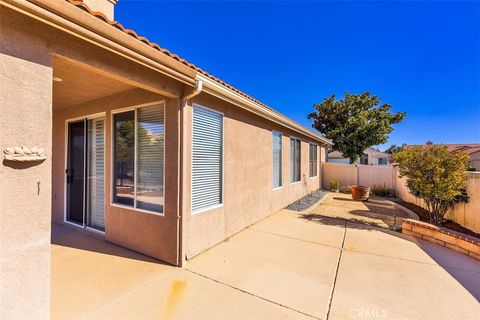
{"x":207,"y":159}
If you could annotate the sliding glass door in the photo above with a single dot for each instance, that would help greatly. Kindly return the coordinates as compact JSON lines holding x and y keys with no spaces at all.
{"x":86,"y":173}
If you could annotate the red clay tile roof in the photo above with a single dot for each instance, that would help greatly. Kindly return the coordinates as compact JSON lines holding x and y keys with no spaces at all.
{"x":468,"y":148}
{"x":116,"y":24}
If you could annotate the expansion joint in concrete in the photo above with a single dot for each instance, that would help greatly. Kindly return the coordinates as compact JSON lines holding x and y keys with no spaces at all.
{"x":251,"y":294}
{"x":336,"y":271}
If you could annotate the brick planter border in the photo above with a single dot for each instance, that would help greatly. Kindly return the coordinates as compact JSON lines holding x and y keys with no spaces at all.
{"x":456,"y":241}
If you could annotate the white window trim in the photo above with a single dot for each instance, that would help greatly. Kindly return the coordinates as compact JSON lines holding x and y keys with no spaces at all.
{"x":82,"y":226}
{"x":316,"y":171}
{"x":216,"y":206}
{"x":281,"y":159}
{"x":112,"y":159}
{"x":290,"y":148}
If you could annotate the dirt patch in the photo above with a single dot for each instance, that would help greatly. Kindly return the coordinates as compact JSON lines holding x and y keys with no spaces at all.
{"x":307,"y":201}
{"x":424,"y":216}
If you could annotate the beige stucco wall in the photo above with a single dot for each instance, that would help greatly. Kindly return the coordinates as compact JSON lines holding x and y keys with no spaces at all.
{"x":29,"y":47}
{"x":25,"y":208}
{"x":151,"y":234}
{"x":248,"y":193}
{"x":155,"y":236}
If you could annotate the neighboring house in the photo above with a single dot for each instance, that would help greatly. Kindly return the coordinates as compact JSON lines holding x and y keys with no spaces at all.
{"x":142,"y":147}
{"x":471,"y":149}
{"x":371,"y":156}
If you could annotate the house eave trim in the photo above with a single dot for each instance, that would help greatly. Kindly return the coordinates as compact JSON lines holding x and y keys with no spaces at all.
{"x":216,"y":89}
{"x":117,"y":42}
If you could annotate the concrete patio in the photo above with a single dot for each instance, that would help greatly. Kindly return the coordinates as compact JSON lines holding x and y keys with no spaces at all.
{"x":287,"y":266}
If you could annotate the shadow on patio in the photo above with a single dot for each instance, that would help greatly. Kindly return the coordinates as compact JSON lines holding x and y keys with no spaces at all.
{"x":344,"y":212}
{"x":77,"y":238}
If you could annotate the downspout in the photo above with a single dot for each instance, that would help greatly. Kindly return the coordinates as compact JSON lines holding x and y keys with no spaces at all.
{"x":181,"y":144}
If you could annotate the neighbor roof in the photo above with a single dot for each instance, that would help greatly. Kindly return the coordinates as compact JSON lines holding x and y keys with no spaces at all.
{"x":468,"y":148}
{"x":119,"y":26}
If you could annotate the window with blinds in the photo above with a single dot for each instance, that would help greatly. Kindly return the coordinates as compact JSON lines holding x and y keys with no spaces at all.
{"x":139,"y":144}
{"x":207,"y":159}
{"x":313,"y":160}
{"x":295,"y":160}
{"x":277,"y":159}
{"x":150,"y":148}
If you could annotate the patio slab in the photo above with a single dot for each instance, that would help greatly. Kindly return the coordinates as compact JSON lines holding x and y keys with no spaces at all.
{"x":284,"y":267}
{"x":371,"y":286}
{"x":287,"y":223}
{"x":286,"y":271}
{"x":376,"y":211}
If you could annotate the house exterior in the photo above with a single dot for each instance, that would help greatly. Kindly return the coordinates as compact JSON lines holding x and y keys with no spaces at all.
{"x":471,"y":149}
{"x":106,"y":131}
{"x":371,"y":156}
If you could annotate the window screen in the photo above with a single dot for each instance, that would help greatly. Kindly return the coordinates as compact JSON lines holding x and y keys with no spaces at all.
{"x":277,"y":159}
{"x":313,"y":160}
{"x":295,"y":160}
{"x":138,"y":180}
{"x":207,"y":158}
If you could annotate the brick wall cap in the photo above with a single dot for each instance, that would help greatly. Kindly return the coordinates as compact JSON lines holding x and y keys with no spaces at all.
{"x":455,"y":234}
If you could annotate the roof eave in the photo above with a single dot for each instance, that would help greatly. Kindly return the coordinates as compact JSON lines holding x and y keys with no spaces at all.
{"x":213,"y":88}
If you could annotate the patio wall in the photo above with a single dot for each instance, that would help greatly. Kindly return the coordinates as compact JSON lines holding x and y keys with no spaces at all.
{"x":151,"y":234}
{"x":25,"y":188}
{"x":248,"y":192}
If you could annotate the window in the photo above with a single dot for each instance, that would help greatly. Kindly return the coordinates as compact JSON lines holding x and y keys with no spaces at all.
{"x":277,"y":159}
{"x":313,"y":160}
{"x":382,"y":161}
{"x":364,"y":159}
{"x":138,"y":156}
{"x":207,"y":159}
{"x":295,"y":160}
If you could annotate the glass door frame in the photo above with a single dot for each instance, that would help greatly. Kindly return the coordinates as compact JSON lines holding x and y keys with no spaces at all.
{"x":85,"y":165}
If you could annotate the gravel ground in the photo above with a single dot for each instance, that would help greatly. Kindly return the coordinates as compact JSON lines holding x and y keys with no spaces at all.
{"x":307,"y":201}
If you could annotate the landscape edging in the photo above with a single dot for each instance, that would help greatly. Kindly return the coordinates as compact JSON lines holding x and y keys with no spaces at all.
{"x":453,"y":240}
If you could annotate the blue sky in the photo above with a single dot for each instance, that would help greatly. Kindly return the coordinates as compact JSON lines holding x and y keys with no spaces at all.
{"x":421,"y":57}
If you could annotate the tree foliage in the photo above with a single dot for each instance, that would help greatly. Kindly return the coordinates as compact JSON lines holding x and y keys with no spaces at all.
{"x":393,"y":149}
{"x":435,"y":175}
{"x":355,"y":122}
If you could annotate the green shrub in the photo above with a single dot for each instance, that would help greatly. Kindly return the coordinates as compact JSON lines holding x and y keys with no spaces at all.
{"x":380,"y":191}
{"x":334,"y":185}
{"x":471,"y":169}
{"x":435,"y":175}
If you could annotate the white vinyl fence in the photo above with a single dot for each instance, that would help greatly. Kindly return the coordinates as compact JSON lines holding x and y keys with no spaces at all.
{"x":358,"y":174}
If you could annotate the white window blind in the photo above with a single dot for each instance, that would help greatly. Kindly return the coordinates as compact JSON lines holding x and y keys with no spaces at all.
{"x":277,"y":159}
{"x":150,"y":149}
{"x":139,"y":158}
{"x":96,"y":174}
{"x":313,"y":160}
{"x":295,"y":160}
{"x":207,"y":159}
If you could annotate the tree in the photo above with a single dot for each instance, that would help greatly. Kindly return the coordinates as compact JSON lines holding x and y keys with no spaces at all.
{"x":355,"y":122}
{"x":393,"y":149}
{"x":435,"y":175}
